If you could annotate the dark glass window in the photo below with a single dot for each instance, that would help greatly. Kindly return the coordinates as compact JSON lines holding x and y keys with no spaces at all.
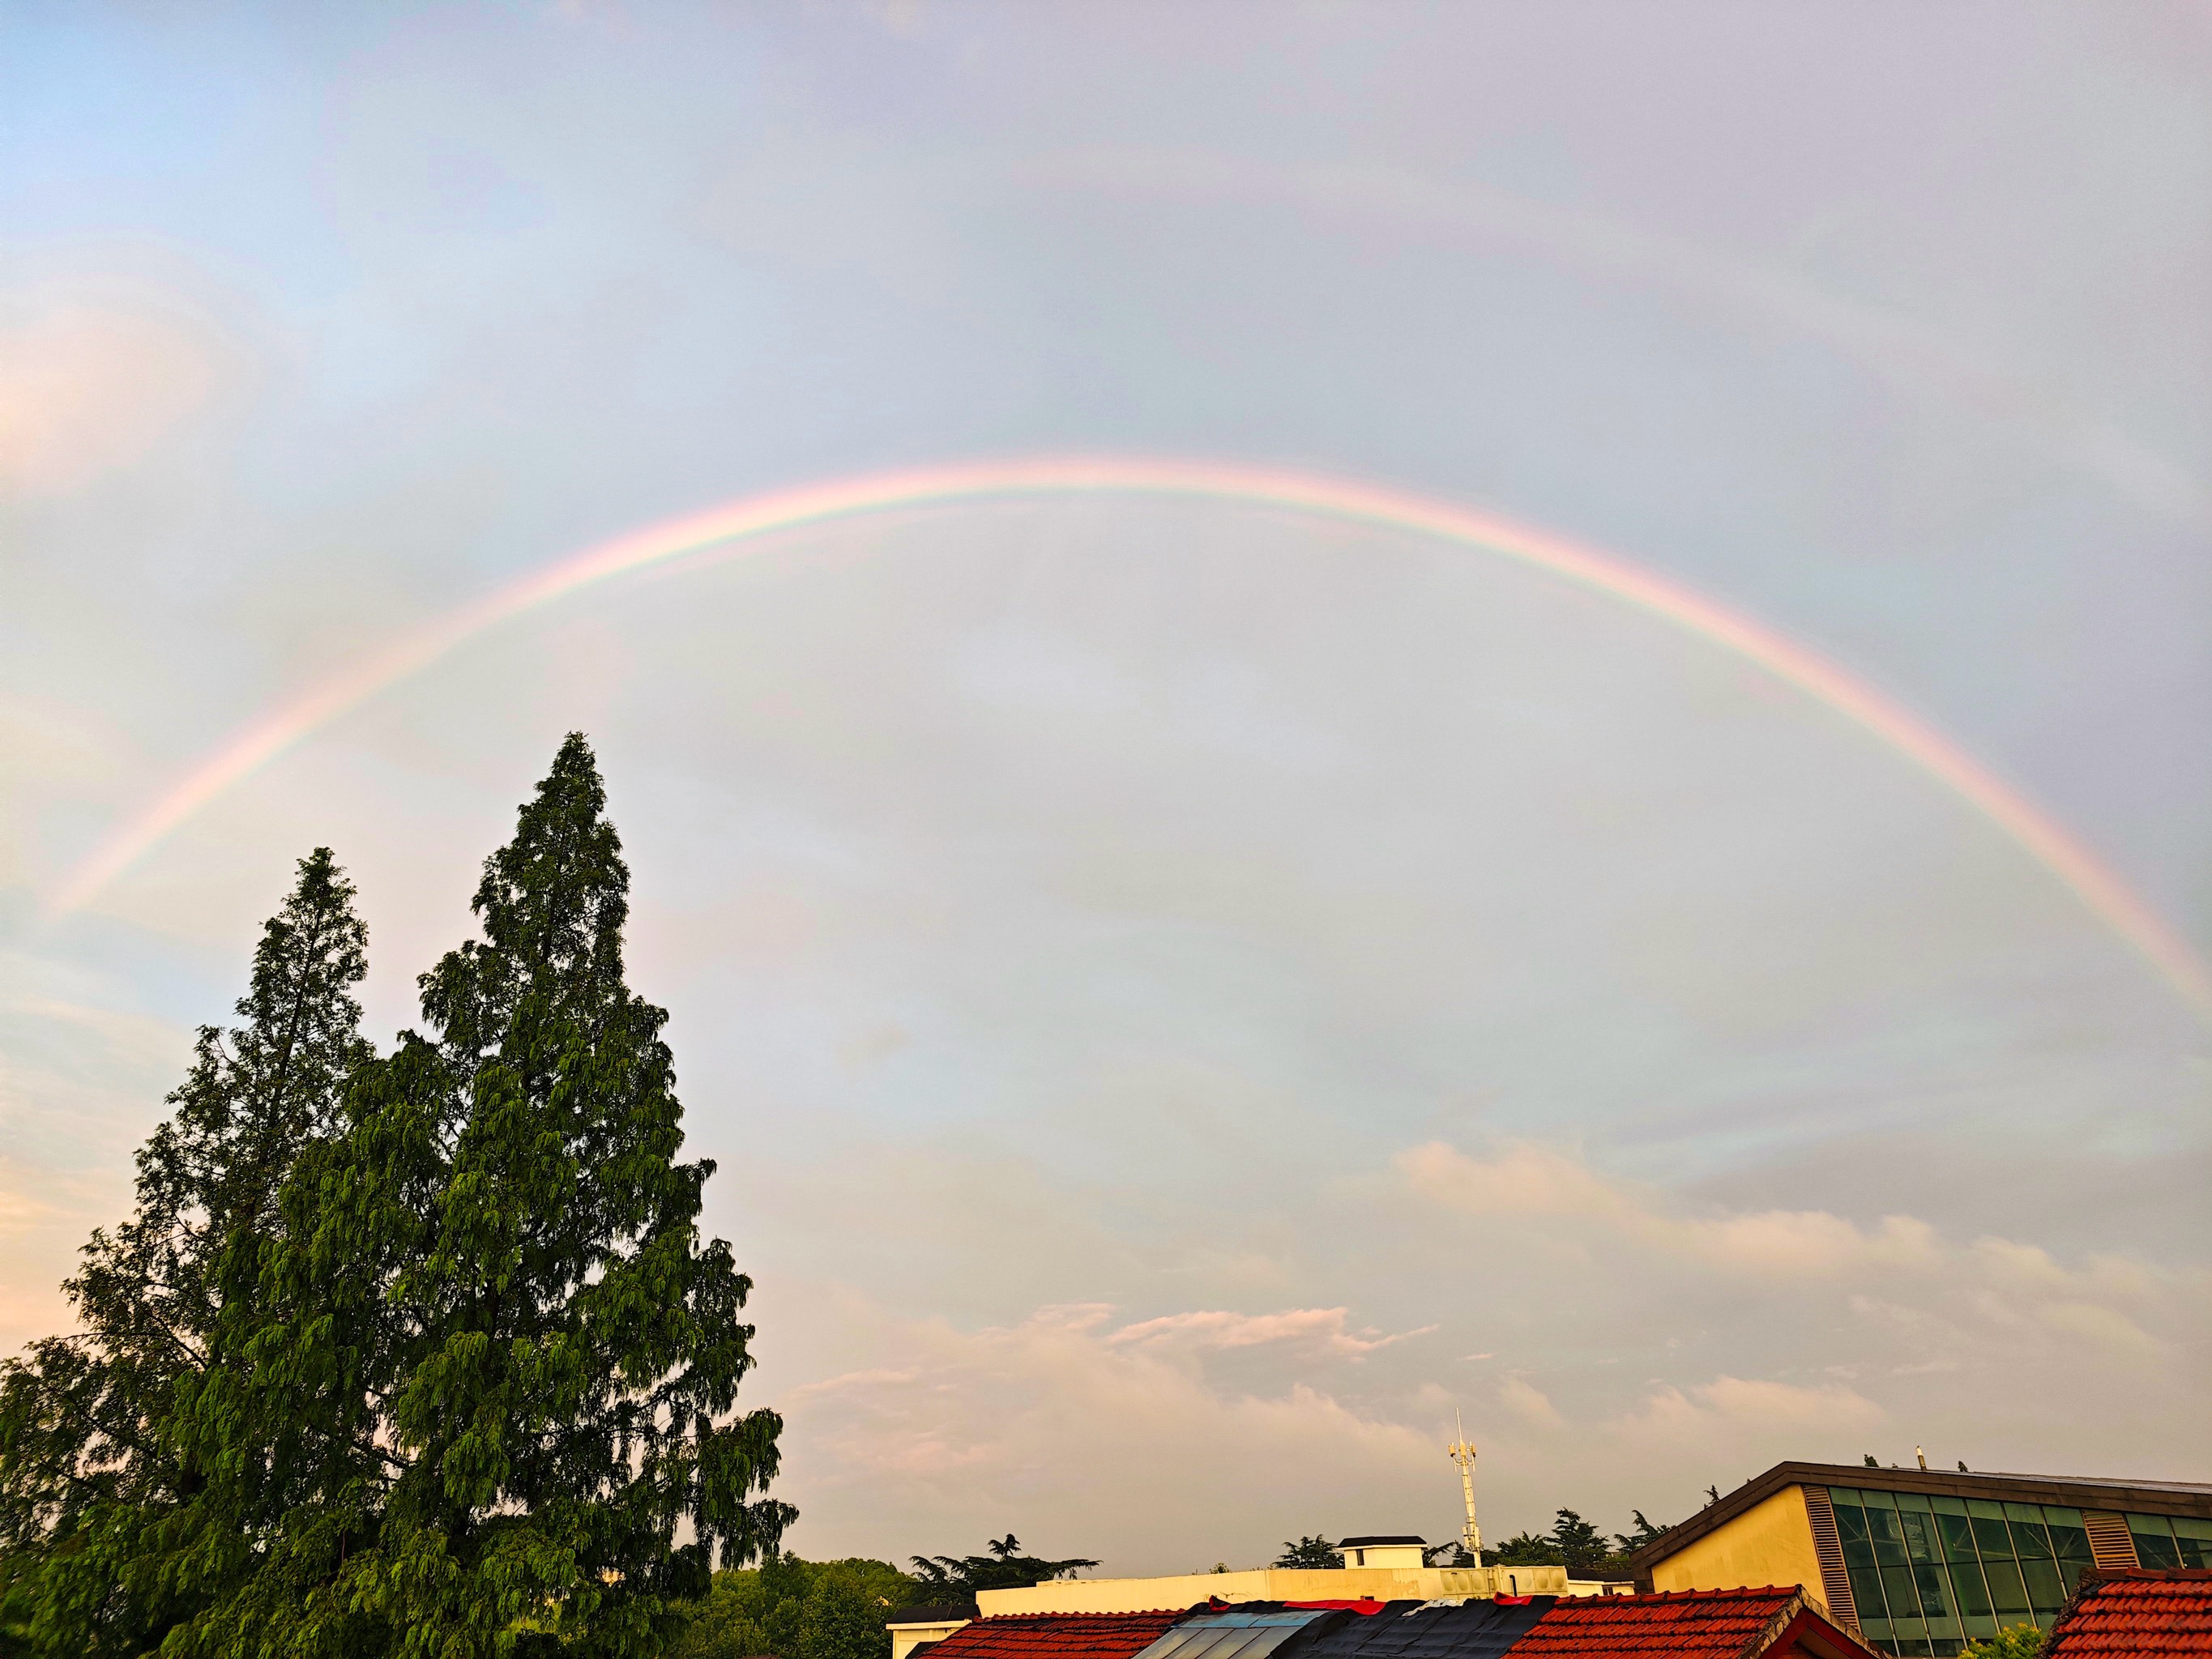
{"x":1919,"y":1535}
{"x":1888,"y":1537}
{"x":1897,"y":1589}
{"x":2194,"y":1539}
{"x":2029,"y":1540}
{"x":1935,"y":1588}
{"x":1973,"y":1594}
{"x":1876,"y":1631}
{"x":1992,"y":1539}
{"x":2008,"y":1590}
{"x":2155,"y":1544}
{"x":2046,"y":1592}
{"x":1851,"y":1519}
{"x":2071,"y":1543}
{"x":1957,"y":1536}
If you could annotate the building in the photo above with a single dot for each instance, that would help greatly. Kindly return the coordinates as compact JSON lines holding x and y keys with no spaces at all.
{"x":1920,"y":1561}
{"x":1370,"y":1582}
{"x":2135,"y":1615}
{"x":1771,"y":1622}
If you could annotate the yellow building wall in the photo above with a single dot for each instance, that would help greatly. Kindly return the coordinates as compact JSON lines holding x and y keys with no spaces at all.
{"x":1769,"y":1543}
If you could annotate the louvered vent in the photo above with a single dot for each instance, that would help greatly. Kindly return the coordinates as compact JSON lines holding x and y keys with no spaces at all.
{"x":1828,"y":1551}
{"x":2110,"y":1541}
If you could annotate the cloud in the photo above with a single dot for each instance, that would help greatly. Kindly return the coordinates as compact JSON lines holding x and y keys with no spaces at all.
{"x":87,"y":387}
{"x":1524,"y":1179}
{"x":1730,"y":1407}
{"x":1324,"y":1327}
{"x":1094,"y":1438}
{"x":1529,"y":1404}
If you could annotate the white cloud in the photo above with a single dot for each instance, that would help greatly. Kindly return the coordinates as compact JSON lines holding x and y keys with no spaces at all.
{"x":1524,"y":1179}
{"x":1086,"y":1438}
{"x":1530,"y":1403}
{"x":87,"y":387}
{"x":1734,"y":1409}
{"x":1324,"y":1327}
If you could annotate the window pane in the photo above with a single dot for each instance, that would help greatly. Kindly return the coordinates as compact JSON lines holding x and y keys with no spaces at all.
{"x":1985,"y":1507}
{"x":2045,"y":1594}
{"x":1946,"y":1648}
{"x":2007,"y":1592}
{"x":1919,"y":1542}
{"x":1944,"y":1504}
{"x":1913,"y":1500}
{"x":2069,"y":1539}
{"x":1897,"y":1589}
{"x":2028,"y":1536}
{"x":1876,"y":1631}
{"x":1866,"y":1583}
{"x":1888,"y":1537}
{"x":2153,"y":1549}
{"x":1851,"y":1520}
{"x":1974,"y":1595}
{"x":1957,"y":1536}
{"x":1878,"y":1500}
{"x":1979,"y":1625}
{"x":1992,"y":1540}
{"x":1934,"y":1592}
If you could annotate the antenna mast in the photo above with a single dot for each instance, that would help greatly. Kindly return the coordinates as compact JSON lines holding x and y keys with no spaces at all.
{"x":1462,"y":1453}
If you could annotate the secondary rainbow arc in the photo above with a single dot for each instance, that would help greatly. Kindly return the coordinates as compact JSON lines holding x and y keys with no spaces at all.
{"x":2100,"y":889}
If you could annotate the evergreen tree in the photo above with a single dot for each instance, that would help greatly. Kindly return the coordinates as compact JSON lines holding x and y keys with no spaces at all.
{"x":95,"y":1470}
{"x":490,"y":1336}
{"x":1309,"y":1552}
{"x":837,"y":1622}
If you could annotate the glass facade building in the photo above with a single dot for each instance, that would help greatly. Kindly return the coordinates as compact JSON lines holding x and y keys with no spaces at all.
{"x":1931,"y":1572}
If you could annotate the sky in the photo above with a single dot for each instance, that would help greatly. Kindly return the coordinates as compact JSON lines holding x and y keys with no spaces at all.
{"x":1186,"y":993}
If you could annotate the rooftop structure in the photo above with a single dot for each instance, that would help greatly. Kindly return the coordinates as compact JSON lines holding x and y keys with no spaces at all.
{"x":2135,"y":1615}
{"x":1766,"y":1623}
{"x":1920,"y":1561}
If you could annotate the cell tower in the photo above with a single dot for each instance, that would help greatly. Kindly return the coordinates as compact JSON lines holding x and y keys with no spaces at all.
{"x":1462,"y":1453}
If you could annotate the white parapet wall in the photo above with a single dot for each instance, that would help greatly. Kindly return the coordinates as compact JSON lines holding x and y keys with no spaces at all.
{"x":1283,"y":1584}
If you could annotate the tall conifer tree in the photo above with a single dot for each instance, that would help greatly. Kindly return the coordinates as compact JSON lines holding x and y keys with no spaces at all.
{"x":495,"y":1319}
{"x":94,"y":1470}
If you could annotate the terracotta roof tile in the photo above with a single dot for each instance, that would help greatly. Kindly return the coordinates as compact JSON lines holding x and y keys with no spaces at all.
{"x":1056,"y":1635}
{"x":1729,"y":1624}
{"x":2122,"y":1615}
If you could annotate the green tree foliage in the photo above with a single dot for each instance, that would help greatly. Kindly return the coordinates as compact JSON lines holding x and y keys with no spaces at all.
{"x":98,"y":1471}
{"x":445,"y":1369}
{"x":1643,"y":1534}
{"x":1582,"y":1548}
{"x":767,"y":1610}
{"x":2014,"y":1642}
{"x":959,"y":1577}
{"x":1313,"y":1552}
{"x":1524,"y":1549}
{"x":1451,"y":1554}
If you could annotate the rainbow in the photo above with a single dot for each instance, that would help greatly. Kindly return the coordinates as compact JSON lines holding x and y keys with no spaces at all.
{"x":2102,"y":892}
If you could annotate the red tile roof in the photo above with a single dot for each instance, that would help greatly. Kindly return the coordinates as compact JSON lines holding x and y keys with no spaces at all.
{"x":2122,"y":1614}
{"x":1056,"y":1635}
{"x":1724,"y":1624}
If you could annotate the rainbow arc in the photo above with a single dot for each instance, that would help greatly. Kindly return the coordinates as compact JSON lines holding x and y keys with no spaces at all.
{"x":753,"y":518}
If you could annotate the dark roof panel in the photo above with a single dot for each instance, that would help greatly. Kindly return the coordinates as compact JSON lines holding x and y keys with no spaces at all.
{"x":1056,"y":1636}
{"x":1417,"y":1630}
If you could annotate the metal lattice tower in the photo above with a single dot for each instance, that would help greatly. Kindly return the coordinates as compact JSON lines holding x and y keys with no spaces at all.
{"x":1462,"y":1453}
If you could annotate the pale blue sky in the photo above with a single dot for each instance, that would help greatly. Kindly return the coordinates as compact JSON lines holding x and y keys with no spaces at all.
{"x":1133,"y":960}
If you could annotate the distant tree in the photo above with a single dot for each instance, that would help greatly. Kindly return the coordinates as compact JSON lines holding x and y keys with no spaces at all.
{"x":836,"y":1622}
{"x":1643,"y":1534}
{"x":1003,"y":1568}
{"x":1524,"y":1549}
{"x":1582,"y":1549}
{"x":2015,"y":1642}
{"x":764,"y":1610}
{"x":1453,"y":1554}
{"x":1314,"y":1551}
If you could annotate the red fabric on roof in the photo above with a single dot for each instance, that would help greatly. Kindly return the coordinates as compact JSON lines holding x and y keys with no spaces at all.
{"x":1727,"y":1624}
{"x":2115,"y":1615}
{"x":1056,"y":1635}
